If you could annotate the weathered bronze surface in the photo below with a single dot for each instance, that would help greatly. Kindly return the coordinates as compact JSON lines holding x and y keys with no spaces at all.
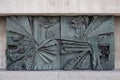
{"x":60,"y":43}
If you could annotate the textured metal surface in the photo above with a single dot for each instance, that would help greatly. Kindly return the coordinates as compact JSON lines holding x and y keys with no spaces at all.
{"x":32,"y":44}
{"x":67,"y":43}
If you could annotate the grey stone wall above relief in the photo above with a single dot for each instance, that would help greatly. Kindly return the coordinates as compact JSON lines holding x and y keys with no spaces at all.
{"x":60,"y":43}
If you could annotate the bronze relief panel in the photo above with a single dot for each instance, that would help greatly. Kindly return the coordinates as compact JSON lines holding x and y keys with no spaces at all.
{"x":60,"y":43}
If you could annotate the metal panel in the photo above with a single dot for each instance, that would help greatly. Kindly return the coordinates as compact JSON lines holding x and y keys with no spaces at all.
{"x":66,"y":43}
{"x":87,"y":43}
{"x":31,"y":43}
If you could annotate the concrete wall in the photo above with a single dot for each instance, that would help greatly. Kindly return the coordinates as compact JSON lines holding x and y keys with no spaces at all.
{"x":2,"y":42}
{"x":117,"y":42}
{"x":58,"y":7}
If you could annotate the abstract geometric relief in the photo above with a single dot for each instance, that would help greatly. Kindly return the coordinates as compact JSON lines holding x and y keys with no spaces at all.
{"x":32,"y":43}
{"x":60,"y":43}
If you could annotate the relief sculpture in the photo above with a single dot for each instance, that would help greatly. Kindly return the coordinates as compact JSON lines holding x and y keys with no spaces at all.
{"x":60,"y":43}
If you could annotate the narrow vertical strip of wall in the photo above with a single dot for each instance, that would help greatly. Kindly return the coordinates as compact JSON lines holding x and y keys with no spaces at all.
{"x":117,"y":42}
{"x":2,"y":42}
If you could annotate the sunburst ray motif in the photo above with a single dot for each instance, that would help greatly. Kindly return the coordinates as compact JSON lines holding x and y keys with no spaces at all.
{"x":60,"y":43}
{"x":31,"y":34}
